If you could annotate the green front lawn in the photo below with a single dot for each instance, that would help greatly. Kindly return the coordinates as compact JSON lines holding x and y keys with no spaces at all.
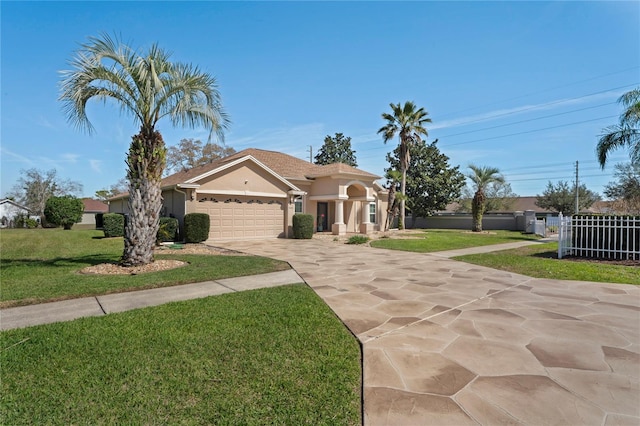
{"x":40,"y":265}
{"x":270,"y":356}
{"x":541,"y":261}
{"x":432,"y":240}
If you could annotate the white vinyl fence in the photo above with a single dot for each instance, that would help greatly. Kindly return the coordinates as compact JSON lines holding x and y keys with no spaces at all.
{"x":604,"y":237}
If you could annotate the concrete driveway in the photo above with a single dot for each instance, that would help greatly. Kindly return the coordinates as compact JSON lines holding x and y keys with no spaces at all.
{"x":449,"y":343}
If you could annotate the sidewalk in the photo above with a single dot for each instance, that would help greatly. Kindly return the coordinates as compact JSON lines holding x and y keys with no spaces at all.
{"x":67,"y":310}
{"x":490,"y":248}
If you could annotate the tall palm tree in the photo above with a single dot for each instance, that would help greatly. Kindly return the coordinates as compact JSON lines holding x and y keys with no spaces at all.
{"x":147,"y":86}
{"x":481,"y":177}
{"x":408,"y":122}
{"x":625,"y":133}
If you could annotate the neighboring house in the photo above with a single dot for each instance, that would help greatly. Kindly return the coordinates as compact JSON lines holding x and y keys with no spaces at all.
{"x":9,"y":209}
{"x":91,"y":207}
{"x":255,"y":193}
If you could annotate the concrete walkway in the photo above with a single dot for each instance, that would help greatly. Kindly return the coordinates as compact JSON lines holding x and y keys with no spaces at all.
{"x":67,"y":310}
{"x":449,"y":343}
{"x":444,"y":342}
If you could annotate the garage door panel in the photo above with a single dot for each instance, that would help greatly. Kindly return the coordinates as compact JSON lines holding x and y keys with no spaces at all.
{"x":251,"y":218}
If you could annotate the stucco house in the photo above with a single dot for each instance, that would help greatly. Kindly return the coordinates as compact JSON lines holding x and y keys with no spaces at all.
{"x":9,"y":209}
{"x":91,"y":208}
{"x":254,"y":193}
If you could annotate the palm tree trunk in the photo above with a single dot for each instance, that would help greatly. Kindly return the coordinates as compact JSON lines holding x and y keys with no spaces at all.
{"x":146,"y":162}
{"x":403,"y":188}
{"x":477,"y":209}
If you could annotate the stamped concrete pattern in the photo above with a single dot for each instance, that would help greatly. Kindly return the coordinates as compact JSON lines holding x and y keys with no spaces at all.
{"x":449,"y":343}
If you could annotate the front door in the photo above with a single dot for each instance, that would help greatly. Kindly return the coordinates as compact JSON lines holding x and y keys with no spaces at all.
{"x":323,"y":217}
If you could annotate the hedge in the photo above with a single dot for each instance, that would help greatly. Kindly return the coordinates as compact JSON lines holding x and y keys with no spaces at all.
{"x":113,"y":225}
{"x":196,"y":227}
{"x":302,"y":226}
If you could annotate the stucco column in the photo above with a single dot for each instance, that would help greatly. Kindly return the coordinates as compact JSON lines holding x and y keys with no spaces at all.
{"x":365,"y":212}
{"x":338,"y":227}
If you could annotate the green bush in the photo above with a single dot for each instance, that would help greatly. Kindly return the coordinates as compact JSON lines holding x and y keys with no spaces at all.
{"x":196,"y":227}
{"x":168,"y":229}
{"x":302,"y":226}
{"x":64,"y":211}
{"x":113,"y":225}
{"x":24,"y":221}
{"x":358,"y":239}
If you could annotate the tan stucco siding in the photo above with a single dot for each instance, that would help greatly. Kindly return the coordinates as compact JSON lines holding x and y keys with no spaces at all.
{"x":173,"y":203}
{"x":324,"y":186}
{"x":119,"y":206}
{"x":246,"y":177}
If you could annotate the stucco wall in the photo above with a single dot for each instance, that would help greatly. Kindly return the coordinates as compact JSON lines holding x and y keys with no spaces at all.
{"x":465,"y":221}
{"x":246,"y":177}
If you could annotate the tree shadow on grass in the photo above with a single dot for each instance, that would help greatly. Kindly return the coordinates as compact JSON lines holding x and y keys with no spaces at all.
{"x":81,"y":261}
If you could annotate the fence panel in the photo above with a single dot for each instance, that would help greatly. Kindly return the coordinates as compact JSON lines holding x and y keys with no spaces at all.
{"x":603,"y":237}
{"x":564,"y":236}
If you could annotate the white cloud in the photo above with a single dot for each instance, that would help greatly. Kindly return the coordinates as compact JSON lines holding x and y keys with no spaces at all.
{"x":96,"y":165}
{"x":17,"y":157}
{"x":43,"y":122}
{"x":289,"y":140}
{"x":70,"y":158}
{"x":493,"y":115}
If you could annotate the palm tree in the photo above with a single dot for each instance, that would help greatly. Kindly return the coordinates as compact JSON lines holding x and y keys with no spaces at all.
{"x":481,"y":177}
{"x":149,"y":87}
{"x":625,"y":133}
{"x":408,"y":122}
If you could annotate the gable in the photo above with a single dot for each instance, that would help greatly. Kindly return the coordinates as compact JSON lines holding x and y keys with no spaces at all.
{"x":245,"y":177}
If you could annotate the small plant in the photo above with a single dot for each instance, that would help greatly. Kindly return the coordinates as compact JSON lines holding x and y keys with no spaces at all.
{"x":168,"y":229}
{"x":358,"y":239}
{"x":24,"y":221}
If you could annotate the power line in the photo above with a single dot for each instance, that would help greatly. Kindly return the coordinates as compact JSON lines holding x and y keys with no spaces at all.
{"x":531,"y":131}
{"x":543,"y":91}
{"x":526,"y":121}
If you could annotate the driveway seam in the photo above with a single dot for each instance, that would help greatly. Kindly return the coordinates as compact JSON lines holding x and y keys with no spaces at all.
{"x":371,"y":339}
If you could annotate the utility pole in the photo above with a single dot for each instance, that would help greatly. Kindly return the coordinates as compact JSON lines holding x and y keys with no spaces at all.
{"x":577,"y":183}
{"x":310,"y":154}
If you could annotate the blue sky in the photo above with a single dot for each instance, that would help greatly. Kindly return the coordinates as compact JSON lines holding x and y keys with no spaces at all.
{"x":523,"y":86}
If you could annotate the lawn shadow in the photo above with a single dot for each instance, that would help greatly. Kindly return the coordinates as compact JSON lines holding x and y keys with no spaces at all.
{"x":82,"y":261}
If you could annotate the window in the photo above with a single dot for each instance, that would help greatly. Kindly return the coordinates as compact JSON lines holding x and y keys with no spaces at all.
{"x":372,"y":212}
{"x":298,"y":204}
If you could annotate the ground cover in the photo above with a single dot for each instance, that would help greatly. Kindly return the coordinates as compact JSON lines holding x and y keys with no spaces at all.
{"x":541,"y":261}
{"x":269,"y":356}
{"x":432,"y":240}
{"x":40,"y":265}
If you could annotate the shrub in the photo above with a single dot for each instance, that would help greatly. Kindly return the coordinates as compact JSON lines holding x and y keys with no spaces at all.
{"x":302,"y":226}
{"x":113,"y":225}
{"x":358,"y":239}
{"x":24,"y":221}
{"x":168,"y":229}
{"x":196,"y":227}
{"x":64,"y":211}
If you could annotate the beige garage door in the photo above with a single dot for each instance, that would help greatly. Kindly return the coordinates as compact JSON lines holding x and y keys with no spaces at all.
{"x":243,"y":217}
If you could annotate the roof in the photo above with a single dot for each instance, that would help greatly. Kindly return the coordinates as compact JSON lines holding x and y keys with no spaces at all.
{"x":9,"y":201}
{"x":94,"y":206}
{"x":287,"y":166}
{"x":290,"y":167}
